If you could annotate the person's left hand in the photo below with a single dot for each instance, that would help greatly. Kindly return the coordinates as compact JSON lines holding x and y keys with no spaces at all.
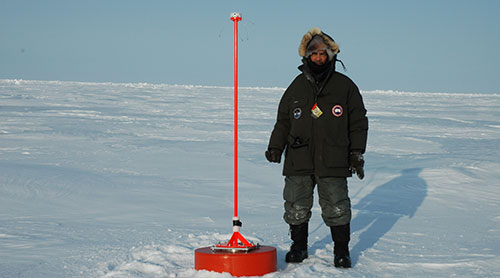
{"x":356,"y":164}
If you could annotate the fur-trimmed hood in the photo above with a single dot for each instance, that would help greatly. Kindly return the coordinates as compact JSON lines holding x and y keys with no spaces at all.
{"x":306,"y":39}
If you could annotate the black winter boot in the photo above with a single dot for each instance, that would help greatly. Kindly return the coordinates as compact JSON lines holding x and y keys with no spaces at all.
{"x":298,"y":250}
{"x":341,"y":236}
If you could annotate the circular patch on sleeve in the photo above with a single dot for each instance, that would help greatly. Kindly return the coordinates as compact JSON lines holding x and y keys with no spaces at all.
{"x":297,"y":112}
{"x":337,"y":110}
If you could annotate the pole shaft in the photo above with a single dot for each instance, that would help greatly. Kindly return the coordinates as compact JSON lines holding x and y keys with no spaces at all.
{"x":235,"y":118}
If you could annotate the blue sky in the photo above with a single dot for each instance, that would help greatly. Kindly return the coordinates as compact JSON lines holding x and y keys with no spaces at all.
{"x":431,"y":46}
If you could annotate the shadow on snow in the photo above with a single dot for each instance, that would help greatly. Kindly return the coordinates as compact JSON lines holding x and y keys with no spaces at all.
{"x":380,"y":210}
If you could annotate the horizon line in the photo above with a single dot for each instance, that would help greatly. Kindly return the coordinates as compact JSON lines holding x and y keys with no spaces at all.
{"x":139,"y":84}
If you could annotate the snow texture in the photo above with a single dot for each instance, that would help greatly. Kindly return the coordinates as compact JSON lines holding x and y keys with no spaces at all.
{"x":127,"y":180}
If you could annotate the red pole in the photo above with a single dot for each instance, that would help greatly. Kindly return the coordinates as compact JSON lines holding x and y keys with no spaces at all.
{"x":236,"y":238}
{"x":235,"y":18}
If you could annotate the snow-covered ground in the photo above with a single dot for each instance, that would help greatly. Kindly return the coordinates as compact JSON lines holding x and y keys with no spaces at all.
{"x":127,"y":180}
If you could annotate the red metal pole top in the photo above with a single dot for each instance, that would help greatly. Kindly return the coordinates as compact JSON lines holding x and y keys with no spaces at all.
{"x":235,"y":16}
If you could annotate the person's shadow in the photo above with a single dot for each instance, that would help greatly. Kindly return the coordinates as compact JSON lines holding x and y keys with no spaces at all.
{"x":382,"y":208}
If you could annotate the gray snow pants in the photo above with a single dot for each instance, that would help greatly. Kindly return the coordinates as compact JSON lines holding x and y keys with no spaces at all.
{"x":333,"y":199}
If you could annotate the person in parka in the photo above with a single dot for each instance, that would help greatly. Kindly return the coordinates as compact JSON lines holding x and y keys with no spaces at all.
{"x":322,"y":128}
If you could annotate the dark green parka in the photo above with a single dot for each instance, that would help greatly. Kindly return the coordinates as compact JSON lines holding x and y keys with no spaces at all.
{"x":320,"y":146}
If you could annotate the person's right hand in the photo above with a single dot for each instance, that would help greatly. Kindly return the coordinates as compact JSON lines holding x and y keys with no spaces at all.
{"x":273,"y":155}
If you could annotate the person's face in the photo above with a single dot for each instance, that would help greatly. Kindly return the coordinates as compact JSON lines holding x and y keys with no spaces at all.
{"x":319,"y":57}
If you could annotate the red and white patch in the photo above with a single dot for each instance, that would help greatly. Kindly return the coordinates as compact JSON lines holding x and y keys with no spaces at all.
{"x":337,"y":110}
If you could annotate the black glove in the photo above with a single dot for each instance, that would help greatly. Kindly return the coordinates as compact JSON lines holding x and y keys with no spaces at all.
{"x":356,"y":163}
{"x":273,"y":155}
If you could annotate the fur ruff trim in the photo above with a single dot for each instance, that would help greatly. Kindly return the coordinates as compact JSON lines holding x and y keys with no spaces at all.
{"x":308,"y":37}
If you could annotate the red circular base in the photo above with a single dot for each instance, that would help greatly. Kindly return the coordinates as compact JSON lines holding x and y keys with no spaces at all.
{"x":255,"y":262}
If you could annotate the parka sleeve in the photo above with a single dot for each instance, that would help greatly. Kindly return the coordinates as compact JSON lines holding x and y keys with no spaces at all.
{"x":358,"y":122}
{"x":281,"y":129}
